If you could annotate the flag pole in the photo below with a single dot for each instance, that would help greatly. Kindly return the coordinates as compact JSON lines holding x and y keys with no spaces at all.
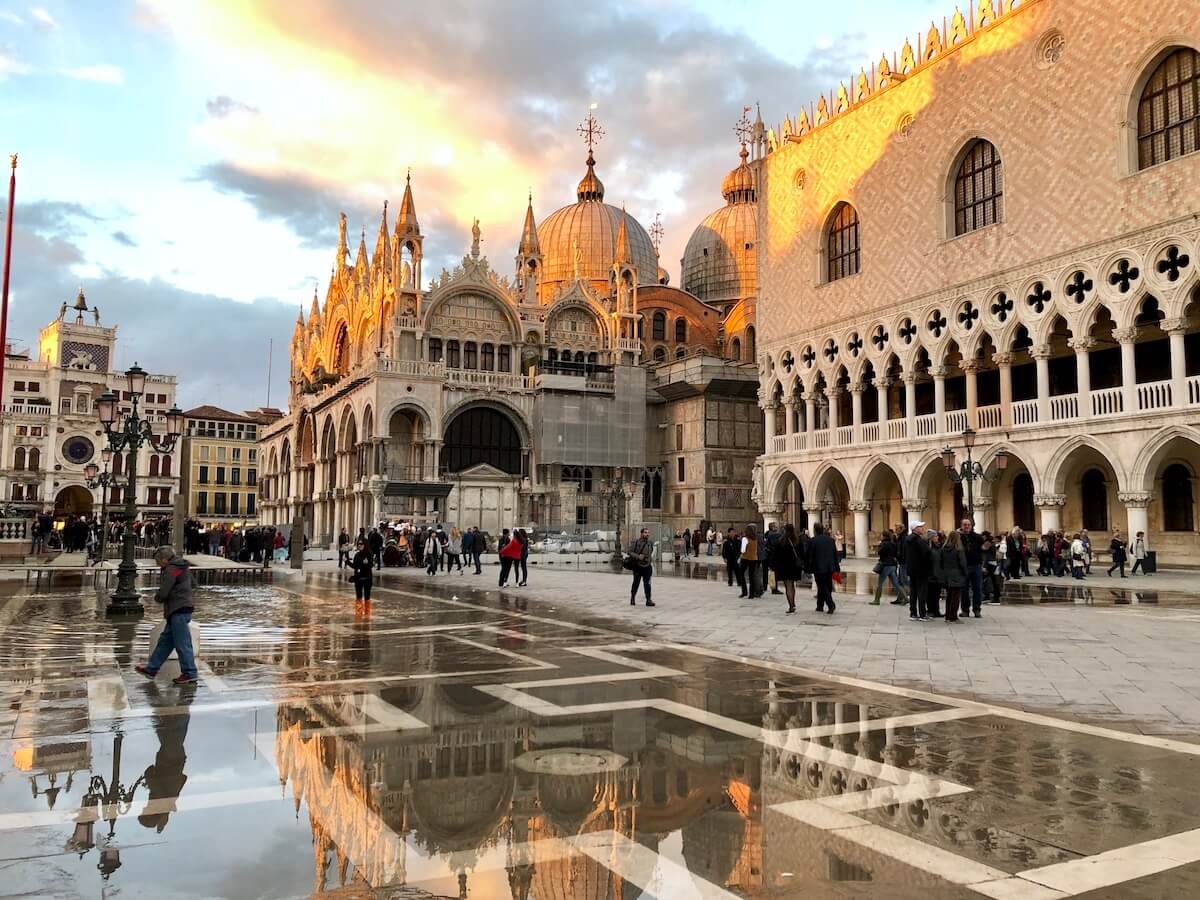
{"x":270,"y":353}
{"x":12,"y":191}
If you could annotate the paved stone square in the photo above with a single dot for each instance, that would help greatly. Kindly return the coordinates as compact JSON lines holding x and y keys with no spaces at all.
{"x":452,"y":740}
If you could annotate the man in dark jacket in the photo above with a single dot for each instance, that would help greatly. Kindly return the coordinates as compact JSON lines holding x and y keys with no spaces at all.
{"x":773,"y":536}
{"x":919,"y":559}
{"x":823,"y":562}
{"x":375,"y":545}
{"x":731,"y":551}
{"x":972,"y":544}
{"x":175,"y":594}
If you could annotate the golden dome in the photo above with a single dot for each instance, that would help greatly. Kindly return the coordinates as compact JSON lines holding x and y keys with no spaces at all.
{"x":591,"y":225}
{"x":720,"y":261}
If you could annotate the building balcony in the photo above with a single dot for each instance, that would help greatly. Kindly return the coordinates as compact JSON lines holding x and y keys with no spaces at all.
{"x":1155,"y":397}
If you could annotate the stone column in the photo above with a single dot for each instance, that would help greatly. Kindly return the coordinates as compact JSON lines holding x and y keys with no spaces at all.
{"x":910,"y":404}
{"x":1003,"y":361}
{"x":1126,"y":337}
{"x":833,"y":394}
{"x":789,"y":416}
{"x":770,"y":513}
{"x":1041,"y":356}
{"x":881,"y":392}
{"x":1083,"y":374}
{"x":982,"y":506}
{"x":1135,"y":511}
{"x":810,"y":415}
{"x":856,"y":392}
{"x":1176,"y":329}
{"x":862,"y":548}
{"x":376,"y":501}
{"x":915,"y":507}
{"x":814,"y":511}
{"x":970,"y":368}
{"x":939,"y":398}
{"x":769,"y":423}
{"x":1051,"y":508}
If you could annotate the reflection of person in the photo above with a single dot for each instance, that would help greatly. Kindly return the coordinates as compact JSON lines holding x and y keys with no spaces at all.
{"x":175,"y":594}
{"x":164,"y":777}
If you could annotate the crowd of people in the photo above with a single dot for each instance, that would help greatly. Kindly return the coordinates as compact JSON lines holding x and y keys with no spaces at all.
{"x":257,"y":543}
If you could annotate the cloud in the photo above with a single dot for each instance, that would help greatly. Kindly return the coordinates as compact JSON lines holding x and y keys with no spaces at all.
{"x":10,"y":65}
{"x":215,"y":345}
{"x":222,"y":106}
{"x":102,"y":73}
{"x":124,"y":239}
{"x":42,"y":19}
{"x":11,"y":17}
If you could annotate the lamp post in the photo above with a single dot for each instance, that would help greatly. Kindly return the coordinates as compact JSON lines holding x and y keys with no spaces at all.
{"x":130,"y":432}
{"x":613,"y":490}
{"x":107,"y":801}
{"x":103,"y":480}
{"x":970,"y":471}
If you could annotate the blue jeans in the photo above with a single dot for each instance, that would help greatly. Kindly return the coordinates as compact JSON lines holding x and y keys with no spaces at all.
{"x":888,"y":573}
{"x":175,"y":636}
{"x":975,"y":586}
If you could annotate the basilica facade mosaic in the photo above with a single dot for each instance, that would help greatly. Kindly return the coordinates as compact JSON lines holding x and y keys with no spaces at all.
{"x":582,"y":393}
{"x":983,"y":232}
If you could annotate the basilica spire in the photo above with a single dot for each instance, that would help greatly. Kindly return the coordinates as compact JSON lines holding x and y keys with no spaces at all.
{"x":406,"y":222}
{"x":382,"y":257}
{"x":529,"y":239}
{"x":590,"y":187}
{"x":624,"y":253}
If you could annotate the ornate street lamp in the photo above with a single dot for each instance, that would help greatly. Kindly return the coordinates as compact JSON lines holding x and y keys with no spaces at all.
{"x":103,"y":480}
{"x":614,"y":491}
{"x":970,"y":471}
{"x":130,"y":433}
{"x":107,"y":800}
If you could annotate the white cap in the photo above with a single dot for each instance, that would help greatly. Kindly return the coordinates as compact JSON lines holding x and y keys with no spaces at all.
{"x":916,"y":524}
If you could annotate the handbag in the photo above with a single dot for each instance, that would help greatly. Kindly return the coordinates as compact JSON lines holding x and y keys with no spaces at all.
{"x":628,"y":563}
{"x":878,"y":570}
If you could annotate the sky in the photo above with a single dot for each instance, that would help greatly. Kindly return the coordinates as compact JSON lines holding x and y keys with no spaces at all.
{"x":185,"y":161}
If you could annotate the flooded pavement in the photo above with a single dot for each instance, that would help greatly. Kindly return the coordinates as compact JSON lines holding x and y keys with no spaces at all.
{"x":429,"y":746}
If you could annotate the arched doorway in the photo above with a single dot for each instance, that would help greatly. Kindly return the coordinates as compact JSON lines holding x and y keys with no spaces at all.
{"x":882,"y":490}
{"x":73,"y":500}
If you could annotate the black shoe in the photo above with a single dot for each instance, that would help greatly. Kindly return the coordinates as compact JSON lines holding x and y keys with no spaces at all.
{"x":650,"y":603}
{"x":776,"y":592}
{"x":923,"y":618}
{"x":898,"y":603}
{"x":791,"y":609}
{"x":914,"y":617}
{"x":831,"y":608}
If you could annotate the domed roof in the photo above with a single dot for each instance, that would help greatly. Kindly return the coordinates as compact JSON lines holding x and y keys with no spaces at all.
{"x":720,"y":261}
{"x":592,"y":224}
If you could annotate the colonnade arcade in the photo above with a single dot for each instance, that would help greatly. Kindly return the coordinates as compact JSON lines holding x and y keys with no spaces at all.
{"x":1142,"y":357}
{"x":1101,"y":483}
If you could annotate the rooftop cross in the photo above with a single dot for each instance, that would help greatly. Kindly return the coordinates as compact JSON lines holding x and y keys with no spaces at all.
{"x":591,"y":130}
{"x":656,"y":232}
{"x":744,"y":129}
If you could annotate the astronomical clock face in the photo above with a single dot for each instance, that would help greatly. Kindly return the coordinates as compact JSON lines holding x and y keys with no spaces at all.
{"x":78,"y":450}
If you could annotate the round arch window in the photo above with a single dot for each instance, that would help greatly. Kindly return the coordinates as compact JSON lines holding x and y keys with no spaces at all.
{"x":78,"y":450}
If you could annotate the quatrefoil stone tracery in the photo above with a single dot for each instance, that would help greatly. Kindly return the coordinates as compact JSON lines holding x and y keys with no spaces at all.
{"x":808,"y":357}
{"x":1039,"y":297}
{"x":937,"y":323}
{"x":1124,"y":276}
{"x":908,"y":331}
{"x":879,"y":338}
{"x":1002,"y":305}
{"x":968,"y":315}
{"x":1079,"y":287}
{"x":1173,"y":263}
{"x":855,"y":345}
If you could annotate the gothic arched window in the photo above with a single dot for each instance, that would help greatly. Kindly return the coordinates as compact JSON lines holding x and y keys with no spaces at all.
{"x":841,"y":243}
{"x":978,"y":188}
{"x":658,"y":327}
{"x":1168,"y":119}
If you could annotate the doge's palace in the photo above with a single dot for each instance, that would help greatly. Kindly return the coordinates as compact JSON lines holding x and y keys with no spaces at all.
{"x":993,"y":228}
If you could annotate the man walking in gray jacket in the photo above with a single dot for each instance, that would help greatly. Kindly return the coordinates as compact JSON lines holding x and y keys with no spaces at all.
{"x":175,"y":594}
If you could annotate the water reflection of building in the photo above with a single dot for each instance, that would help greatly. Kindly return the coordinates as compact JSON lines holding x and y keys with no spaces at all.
{"x":486,"y":775}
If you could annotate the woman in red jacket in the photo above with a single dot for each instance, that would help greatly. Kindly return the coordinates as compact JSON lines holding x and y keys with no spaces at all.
{"x":510,"y":553}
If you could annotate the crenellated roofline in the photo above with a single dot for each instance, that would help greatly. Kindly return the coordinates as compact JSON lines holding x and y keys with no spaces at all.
{"x":955,"y":33}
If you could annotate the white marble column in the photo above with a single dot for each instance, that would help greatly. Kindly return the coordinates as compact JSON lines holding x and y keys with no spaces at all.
{"x":856,"y":392}
{"x":881,"y":393}
{"x":1083,"y":374}
{"x":1176,"y":329}
{"x":1003,"y":362}
{"x":939,"y":397}
{"x":810,"y":415}
{"x":910,"y":404}
{"x":1136,"y":503}
{"x":769,"y":423}
{"x":1050,"y":507}
{"x":970,"y":369}
{"x":1126,"y":337}
{"x":983,"y":506}
{"x":833,"y":394}
{"x":862,"y":549}
{"x":1041,"y":356}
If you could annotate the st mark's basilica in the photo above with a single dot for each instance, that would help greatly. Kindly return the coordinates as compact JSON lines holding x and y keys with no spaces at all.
{"x":582,"y":393}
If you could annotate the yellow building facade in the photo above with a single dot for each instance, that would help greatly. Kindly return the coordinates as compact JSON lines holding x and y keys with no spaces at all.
{"x":220,"y":465}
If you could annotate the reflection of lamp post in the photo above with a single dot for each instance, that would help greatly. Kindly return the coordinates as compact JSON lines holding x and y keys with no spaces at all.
{"x":130,"y":434}
{"x":104,"y":800}
{"x":97,"y":479}
{"x":970,"y":471}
